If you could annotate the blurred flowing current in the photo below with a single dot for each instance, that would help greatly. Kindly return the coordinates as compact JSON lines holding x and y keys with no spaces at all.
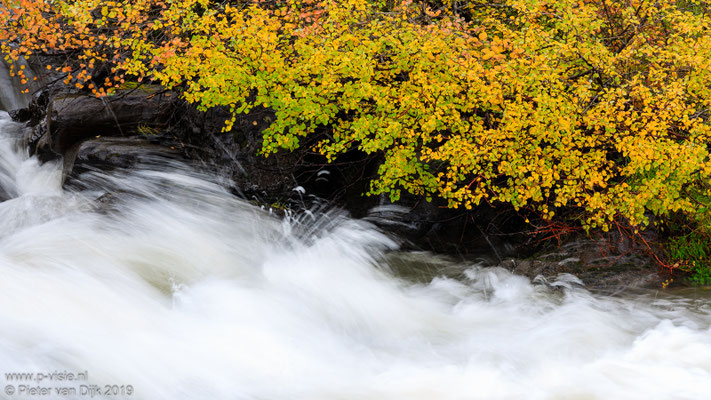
{"x":160,"y":279}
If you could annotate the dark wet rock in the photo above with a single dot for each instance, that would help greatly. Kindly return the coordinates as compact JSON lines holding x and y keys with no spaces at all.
{"x":235,"y":154}
{"x":71,"y":119}
{"x":4,"y":195}
{"x":596,"y":263}
{"x":34,"y":115}
{"x":485,"y":232}
{"x":303,"y":180}
{"x":88,"y":133}
{"x":35,"y":112}
{"x":107,"y":153}
{"x":21,"y":115}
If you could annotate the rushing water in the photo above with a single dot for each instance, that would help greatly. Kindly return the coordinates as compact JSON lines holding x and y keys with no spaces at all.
{"x":176,"y":288}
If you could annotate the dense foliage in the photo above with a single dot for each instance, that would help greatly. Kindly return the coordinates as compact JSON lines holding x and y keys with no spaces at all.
{"x":597,"y":106}
{"x":691,"y":254}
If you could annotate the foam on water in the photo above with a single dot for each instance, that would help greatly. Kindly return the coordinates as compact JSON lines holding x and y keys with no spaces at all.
{"x":175,"y":287}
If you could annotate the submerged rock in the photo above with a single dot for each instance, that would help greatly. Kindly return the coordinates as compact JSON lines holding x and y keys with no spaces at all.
{"x":596,"y":263}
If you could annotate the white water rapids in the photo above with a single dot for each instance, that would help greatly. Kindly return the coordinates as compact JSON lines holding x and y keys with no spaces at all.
{"x":175,"y":287}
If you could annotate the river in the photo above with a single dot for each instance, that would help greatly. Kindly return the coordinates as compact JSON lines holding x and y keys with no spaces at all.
{"x":170,"y":286}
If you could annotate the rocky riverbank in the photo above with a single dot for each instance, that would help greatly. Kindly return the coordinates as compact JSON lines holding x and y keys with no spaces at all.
{"x":117,"y":131}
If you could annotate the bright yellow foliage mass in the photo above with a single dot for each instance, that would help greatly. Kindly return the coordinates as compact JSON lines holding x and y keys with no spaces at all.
{"x":595,"y":105}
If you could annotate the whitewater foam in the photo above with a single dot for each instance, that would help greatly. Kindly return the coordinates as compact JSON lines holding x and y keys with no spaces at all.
{"x":173,"y":286}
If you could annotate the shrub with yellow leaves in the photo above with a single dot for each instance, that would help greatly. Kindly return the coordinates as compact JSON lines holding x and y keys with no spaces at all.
{"x":593,"y":105}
